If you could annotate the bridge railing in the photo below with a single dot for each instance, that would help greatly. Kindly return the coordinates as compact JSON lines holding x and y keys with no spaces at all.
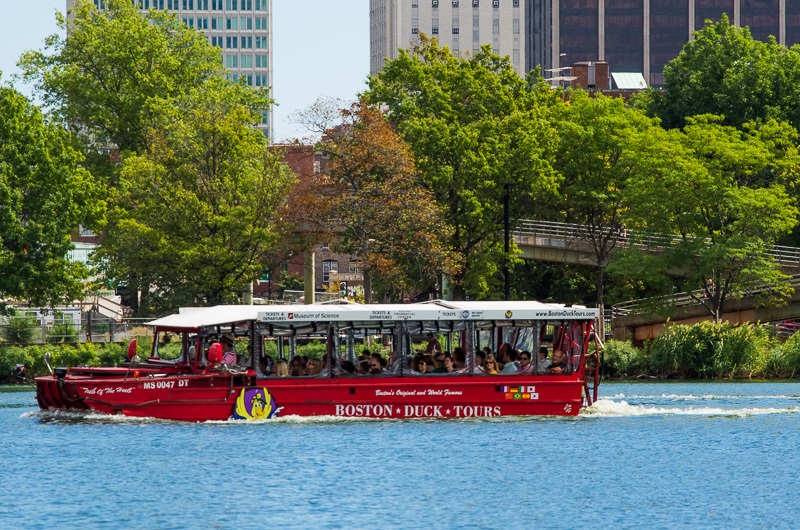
{"x":786,"y":256}
{"x":646,"y":305}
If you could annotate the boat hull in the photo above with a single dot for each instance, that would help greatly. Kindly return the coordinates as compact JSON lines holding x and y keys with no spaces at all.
{"x":216,"y":397}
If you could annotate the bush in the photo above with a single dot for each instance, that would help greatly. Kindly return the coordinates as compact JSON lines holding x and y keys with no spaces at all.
{"x":784,"y":361}
{"x":707,"y":349}
{"x":63,"y":330}
{"x":20,"y":329}
{"x":623,"y":359}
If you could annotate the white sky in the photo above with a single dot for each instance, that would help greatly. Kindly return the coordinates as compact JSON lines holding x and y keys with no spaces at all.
{"x":320,"y":48}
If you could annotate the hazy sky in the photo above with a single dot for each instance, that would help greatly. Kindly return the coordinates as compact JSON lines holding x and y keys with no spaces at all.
{"x":320,"y":48}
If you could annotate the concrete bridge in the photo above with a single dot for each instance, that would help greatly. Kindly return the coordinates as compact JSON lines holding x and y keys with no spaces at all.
{"x":571,"y":243}
{"x":640,"y":320}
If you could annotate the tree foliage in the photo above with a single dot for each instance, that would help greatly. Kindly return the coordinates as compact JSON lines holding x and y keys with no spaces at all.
{"x":100,"y":79}
{"x":371,"y":200}
{"x":194,"y":216}
{"x":599,"y":154}
{"x":44,"y":195}
{"x":478,"y":131}
{"x":723,"y":70}
{"x":722,"y":216}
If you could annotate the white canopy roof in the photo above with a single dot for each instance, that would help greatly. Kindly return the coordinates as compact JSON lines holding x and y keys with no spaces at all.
{"x":438,"y":310}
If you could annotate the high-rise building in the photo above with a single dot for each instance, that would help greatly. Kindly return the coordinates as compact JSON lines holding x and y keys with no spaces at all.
{"x":462,"y":25}
{"x":642,"y":35}
{"x":241,"y":28}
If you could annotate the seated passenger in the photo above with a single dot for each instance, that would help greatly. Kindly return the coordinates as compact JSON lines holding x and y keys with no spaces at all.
{"x":459,"y":358}
{"x":421,"y":365}
{"x":363,"y":367}
{"x":297,"y":366}
{"x":365,"y":355}
{"x":559,"y":364}
{"x":510,"y":361}
{"x":544,"y":362}
{"x":347,"y":367}
{"x":375,"y":365}
{"x":280,"y":368}
{"x":314,"y":367}
{"x":228,"y":354}
{"x":447,"y":366}
{"x":490,"y":365}
{"x":525,"y":364}
{"x":433,"y":344}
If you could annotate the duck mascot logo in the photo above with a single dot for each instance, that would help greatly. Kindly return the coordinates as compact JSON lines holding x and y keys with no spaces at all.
{"x":254,"y":404}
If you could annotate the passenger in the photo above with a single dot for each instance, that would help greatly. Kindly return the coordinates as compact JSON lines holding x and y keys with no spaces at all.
{"x":280,"y":368}
{"x":447,"y":366}
{"x":265,"y":364}
{"x":365,"y":355}
{"x":559,"y":364}
{"x":363,"y":367}
{"x":525,"y":363}
{"x":544,"y":362}
{"x":431,"y":364}
{"x":297,"y":366}
{"x":421,"y":365}
{"x":479,"y":358}
{"x":501,"y":354}
{"x":347,"y":367}
{"x":314,"y":367}
{"x":459,"y":358}
{"x":375,"y":365}
{"x":228,"y":354}
{"x":490,"y":365}
{"x":433,"y":344}
{"x":440,"y":360}
{"x":510,"y":361}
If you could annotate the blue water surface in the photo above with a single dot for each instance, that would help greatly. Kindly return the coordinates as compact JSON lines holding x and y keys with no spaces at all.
{"x":647,"y":455}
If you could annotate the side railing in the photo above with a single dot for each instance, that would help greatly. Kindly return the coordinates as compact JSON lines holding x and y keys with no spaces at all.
{"x":786,"y":256}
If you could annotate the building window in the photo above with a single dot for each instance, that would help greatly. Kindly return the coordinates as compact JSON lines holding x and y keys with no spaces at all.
{"x":475,"y":3}
{"x":496,"y":26}
{"x":232,"y":5}
{"x":261,"y":5}
{"x":415,"y":27}
{"x":246,"y":61}
{"x":261,"y":61}
{"x":516,"y":3}
{"x":261,"y":43}
{"x":232,"y":61}
{"x":515,"y":26}
{"x":414,"y":3}
{"x":435,"y":4}
{"x":247,"y":42}
{"x":232,"y":23}
{"x":329,"y":266}
{"x":231,"y":42}
{"x":455,"y":26}
{"x":496,"y":4}
{"x":435,"y":26}
{"x":356,"y":266}
{"x":246,"y":23}
{"x":455,"y":3}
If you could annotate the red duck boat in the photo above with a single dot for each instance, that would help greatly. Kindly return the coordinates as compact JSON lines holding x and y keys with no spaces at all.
{"x":260,"y":362}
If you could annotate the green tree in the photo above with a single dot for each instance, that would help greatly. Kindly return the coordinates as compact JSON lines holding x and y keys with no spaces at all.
{"x":720,"y":218}
{"x":600,"y":150}
{"x":194,"y":216}
{"x":44,"y":195}
{"x":100,"y":79}
{"x":724,"y":71}
{"x":479,"y":134}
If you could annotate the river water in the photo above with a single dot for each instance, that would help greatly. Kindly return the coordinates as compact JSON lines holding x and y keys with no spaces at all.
{"x":654,"y":455}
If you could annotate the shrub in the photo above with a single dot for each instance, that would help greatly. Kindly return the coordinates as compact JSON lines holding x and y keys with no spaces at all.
{"x":63,"y":330}
{"x":707,"y":349}
{"x":784,"y":361}
{"x":20,"y":329}
{"x":623,"y":359}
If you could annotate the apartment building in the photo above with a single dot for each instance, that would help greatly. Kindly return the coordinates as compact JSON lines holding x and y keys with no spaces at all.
{"x":241,"y":28}
{"x":462,"y":25}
